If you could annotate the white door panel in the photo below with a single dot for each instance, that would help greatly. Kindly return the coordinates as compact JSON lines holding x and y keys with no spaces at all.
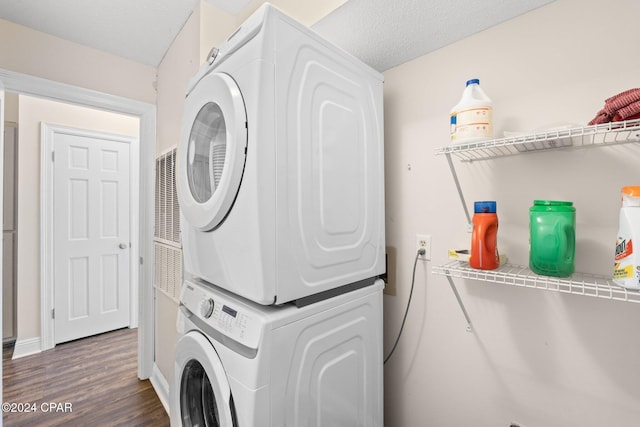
{"x":91,"y":235}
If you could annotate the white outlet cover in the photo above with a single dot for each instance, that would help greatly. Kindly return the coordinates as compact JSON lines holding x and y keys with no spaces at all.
{"x":427,"y":244}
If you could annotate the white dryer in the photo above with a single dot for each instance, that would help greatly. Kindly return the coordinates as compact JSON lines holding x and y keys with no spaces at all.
{"x":280,"y":165}
{"x":241,"y":364}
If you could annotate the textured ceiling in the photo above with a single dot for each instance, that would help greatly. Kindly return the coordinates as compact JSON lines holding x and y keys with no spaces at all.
{"x":386,"y":33}
{"x":140,"y":30}
{"x":383,"y":33}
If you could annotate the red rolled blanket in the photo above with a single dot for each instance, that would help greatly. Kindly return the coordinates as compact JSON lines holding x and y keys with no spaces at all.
{"x":623,"y":106}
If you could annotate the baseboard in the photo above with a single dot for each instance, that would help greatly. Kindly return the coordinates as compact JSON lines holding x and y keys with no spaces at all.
{"x":26,"y":347}
{"x":161,"y":386}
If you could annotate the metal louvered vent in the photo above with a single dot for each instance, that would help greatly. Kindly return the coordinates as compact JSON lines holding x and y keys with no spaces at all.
{"x":168,"y":249}
{"x":167,"y":225}
{"x":168,"y":272}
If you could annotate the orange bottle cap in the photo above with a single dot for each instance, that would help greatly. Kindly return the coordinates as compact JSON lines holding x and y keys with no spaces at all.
{"x":631,"y":190}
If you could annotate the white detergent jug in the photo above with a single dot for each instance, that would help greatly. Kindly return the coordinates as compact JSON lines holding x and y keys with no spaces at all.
{"x":626,"y":270}
{"x":471,"y":119}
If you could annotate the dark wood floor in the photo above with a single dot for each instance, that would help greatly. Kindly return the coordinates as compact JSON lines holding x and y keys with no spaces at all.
{"x":95,"y":377}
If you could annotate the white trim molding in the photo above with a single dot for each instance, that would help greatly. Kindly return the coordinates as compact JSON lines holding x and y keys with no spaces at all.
{"x":161,"y":386}
{"x":1,"y":206}
{"x":30,"y":85}
{"x":26,"y":347}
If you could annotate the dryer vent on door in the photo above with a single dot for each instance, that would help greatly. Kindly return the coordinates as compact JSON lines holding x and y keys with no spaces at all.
{"x":280,"y":165}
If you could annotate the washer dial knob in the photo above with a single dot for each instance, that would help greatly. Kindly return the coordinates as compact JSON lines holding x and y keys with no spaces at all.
{"x":206,"y":308}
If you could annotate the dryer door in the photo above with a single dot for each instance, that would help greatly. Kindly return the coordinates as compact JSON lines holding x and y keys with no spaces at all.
{"x":203,"y":395}
{"x":212,"y":151}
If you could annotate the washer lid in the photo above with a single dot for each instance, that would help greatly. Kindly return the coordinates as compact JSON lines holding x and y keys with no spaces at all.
{"x":212,"y":151}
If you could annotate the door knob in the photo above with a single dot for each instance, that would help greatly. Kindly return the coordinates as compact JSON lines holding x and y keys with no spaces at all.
{"x":122,"y":246}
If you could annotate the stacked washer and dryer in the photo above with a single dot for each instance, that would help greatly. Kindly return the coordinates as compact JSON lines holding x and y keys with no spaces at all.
{"x":280,"y":179}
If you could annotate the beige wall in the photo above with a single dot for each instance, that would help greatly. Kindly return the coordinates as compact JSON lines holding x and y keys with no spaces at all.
{"x":33,"y":112}
{"x":535,"y":357}
{"x":11,"y":107}
{"x":307,"y":12}
{"x":177,"y":67}
{"x":179,"y":64}
{"x":215,"y":26}
{"x":31,"y":52}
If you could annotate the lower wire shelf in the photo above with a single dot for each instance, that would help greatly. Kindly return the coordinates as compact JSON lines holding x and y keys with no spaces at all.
{"x":514,"y":275}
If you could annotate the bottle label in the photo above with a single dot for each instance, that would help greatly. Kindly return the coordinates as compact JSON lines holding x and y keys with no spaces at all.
{"x":623,"y":267}
{"x":472,"y":123}
{"x":621,"y":272}
{"x":623,"y":248}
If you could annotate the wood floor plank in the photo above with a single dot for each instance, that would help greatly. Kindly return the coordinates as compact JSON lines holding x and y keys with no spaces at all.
{"x":96,"y":375}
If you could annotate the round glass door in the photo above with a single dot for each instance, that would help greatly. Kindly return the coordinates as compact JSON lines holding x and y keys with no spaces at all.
{"x":197,"y":401}
{"x":206,"y":152}
{"x":212,"y":151}
{"x":203,"y":395}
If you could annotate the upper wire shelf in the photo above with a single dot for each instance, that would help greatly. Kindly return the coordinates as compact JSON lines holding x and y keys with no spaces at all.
{"x":577,"y":284}
{"x":583,"y":136}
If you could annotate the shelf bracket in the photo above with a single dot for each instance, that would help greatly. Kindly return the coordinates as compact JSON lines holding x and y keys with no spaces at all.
{"x":459,"y":188}
{"x":464,"y":311}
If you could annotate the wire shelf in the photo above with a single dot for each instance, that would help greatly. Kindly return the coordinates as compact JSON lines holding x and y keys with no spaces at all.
{"x":584,"y":136}
{"x":577,"y":284}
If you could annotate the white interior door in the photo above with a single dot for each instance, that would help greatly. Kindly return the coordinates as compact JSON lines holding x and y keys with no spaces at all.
{"x":91,"y":235}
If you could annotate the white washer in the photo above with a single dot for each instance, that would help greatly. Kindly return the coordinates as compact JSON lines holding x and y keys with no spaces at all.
{"x":243,"y":364}
{"x":280,"y":165}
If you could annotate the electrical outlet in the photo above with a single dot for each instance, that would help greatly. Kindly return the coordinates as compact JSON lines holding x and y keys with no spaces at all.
{"x":423,"y":241}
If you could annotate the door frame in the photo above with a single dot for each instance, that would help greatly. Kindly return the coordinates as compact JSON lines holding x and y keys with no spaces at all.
{"x":1,"y":206}
{"x":47,"y":291}
{"x":48,"y":89}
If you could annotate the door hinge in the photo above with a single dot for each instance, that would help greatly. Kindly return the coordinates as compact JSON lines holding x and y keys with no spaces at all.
{"x":53,"y":156}
{"x":141,"y":261}
{"x":53,"y":313}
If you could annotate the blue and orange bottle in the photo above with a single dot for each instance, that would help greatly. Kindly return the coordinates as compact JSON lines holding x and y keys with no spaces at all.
{"x":484,"y":238}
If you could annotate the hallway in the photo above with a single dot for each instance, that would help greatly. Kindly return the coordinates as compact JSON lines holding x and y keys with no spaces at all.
{"x":90,"y":382}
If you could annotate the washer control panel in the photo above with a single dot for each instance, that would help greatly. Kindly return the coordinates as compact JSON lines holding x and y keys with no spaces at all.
{"x":223,"y":314}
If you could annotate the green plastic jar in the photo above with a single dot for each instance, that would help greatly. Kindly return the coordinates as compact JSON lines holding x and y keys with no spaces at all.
{"x":552,"y":238}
